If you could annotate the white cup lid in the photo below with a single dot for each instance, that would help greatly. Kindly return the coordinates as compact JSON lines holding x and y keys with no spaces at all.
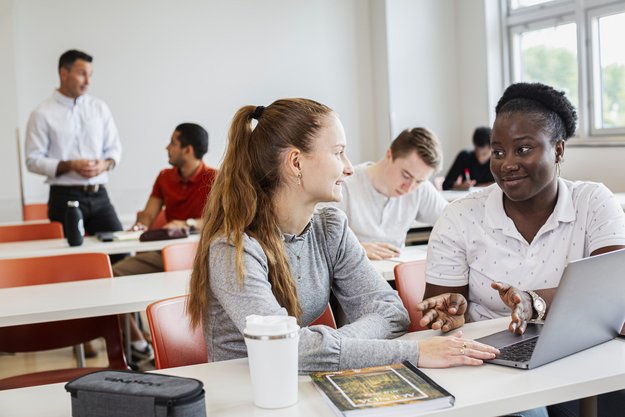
{"x":270,"y":325}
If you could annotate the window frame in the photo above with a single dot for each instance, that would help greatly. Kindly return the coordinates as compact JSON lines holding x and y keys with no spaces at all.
{"x":584,"y":13}
{"x":594,"y":68}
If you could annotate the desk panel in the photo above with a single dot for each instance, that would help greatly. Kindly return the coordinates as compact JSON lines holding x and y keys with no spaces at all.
{"x":483,"y":391}
{"x":49,"y":247}
{"x":90,"y":298}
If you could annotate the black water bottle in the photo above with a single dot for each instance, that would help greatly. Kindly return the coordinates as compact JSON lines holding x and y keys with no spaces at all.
{"x":74,"y":228}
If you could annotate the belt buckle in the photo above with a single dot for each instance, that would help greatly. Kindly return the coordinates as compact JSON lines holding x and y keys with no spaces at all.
{"x":91,"y":188}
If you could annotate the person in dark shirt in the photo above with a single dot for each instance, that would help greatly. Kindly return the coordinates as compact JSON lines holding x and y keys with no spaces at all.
{"x":471,"y":167}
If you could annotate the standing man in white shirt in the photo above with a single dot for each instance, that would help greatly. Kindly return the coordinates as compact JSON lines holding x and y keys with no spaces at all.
{"x":382,"y":199}
{"x":71,"y":138}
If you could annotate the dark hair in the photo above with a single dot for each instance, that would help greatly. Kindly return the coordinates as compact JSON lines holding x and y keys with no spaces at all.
{"x":68,"y":58}
{"x":547,"y":106}
{"x":240,"y":200}
{"x":481,"y":137}
{"x":194,"y":135}
{"x":422,"y":141}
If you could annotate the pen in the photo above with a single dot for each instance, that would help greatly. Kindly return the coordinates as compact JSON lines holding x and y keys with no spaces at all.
{"x":467,"y":176}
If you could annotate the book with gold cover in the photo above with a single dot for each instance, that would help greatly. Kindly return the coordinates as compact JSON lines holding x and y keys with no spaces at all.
{"x":390,"y":389}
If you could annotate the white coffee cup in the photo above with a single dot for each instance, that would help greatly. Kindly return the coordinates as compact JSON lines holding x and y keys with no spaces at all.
{"x":272,"y":354}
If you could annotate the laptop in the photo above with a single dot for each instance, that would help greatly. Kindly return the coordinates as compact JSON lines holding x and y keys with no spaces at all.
{"x":588,"y":309}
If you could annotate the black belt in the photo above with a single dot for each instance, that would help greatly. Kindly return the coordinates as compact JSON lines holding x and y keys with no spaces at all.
{"x":91,"y":188}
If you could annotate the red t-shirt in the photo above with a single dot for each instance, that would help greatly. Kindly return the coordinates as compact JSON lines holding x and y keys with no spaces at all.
{"x":184,"y":199}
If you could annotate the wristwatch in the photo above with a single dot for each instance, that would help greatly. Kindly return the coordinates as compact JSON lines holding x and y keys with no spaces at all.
{"x":540,"y":307}
{"x":191,"y":222}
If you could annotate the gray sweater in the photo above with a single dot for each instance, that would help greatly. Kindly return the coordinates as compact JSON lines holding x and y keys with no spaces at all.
{"x":330,"y":258}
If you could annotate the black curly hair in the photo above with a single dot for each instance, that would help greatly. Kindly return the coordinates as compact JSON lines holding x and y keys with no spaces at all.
{"x":547,"y":106}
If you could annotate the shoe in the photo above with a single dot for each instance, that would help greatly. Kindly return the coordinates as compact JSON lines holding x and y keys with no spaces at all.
{"x":141,"y":355}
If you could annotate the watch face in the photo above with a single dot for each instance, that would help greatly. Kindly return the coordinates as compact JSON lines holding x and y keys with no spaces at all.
{"x":539,"y":304}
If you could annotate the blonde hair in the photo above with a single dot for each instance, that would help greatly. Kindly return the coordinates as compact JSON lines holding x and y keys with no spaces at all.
{"x":422,"y":141}
{"x":240,"y":200}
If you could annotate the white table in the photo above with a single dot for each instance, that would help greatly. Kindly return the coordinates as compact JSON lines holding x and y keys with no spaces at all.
{"x":409,"y":253}
{"x":90,"y":298}
{"x":48,"y":247}
{"x":488,"y":390}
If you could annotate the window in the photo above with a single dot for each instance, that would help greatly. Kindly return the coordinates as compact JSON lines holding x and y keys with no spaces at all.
{"x":548,"y":55}
{"x":575,"y":46}
{"x":608,"y":67}
{"x":518,"y":4}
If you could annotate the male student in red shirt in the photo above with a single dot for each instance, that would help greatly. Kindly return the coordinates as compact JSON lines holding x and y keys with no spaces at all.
{"x":181,"y":191}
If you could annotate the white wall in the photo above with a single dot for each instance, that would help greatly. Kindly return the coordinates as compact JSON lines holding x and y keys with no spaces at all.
{"x":472,"y":60}
{"x":10,"y":203}
{"x":600,"y":164}
{"x":423,"y":68}
{"x":159,"y":63}
{"x":384,"y":65}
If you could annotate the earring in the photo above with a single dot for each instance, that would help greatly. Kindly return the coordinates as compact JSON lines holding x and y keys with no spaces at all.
{"x":299,"y":178}
{"x":558,"y":167}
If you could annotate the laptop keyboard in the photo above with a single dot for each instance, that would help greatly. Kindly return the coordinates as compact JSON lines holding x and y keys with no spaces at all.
{"x":519,"y":352}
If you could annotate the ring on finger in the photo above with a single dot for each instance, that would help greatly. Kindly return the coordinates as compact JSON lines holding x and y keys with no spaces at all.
{"x":463,"y":348}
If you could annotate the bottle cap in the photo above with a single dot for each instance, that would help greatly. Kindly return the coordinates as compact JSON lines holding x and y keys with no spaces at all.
{"x":278,"y":327}
{"x":73,"y":204}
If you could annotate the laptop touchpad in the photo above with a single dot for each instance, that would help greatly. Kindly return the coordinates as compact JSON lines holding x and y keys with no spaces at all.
{"x":505,"y":338}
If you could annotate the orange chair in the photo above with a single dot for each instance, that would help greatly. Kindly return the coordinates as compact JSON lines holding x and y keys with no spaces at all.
{"x":31,"y":231}
{"x":179,"y":256}
{"x":58,"y":334}
{"x":410,"y":282}
{"x":175,"y":342}
{"x":326,"y":318}
{"x":36,"y":211}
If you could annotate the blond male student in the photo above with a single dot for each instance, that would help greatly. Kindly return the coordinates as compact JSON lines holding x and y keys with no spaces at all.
{"x":383,"y":198}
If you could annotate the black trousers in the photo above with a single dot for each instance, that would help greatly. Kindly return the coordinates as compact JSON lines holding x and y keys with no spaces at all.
{"x":97,"y":211}
{"x":611,"y":404}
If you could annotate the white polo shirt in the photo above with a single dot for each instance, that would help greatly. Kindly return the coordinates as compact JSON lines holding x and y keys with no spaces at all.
{"x":374,"y":217}
{"x":475,"y":243}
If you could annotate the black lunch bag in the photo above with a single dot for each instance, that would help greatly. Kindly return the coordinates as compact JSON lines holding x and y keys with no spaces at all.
{"x":110,"y":393}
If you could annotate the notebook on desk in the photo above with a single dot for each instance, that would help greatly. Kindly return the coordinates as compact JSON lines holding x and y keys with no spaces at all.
{"x":588,"y":309}
{"x":116,"y":236}
{"x":411,"y":253}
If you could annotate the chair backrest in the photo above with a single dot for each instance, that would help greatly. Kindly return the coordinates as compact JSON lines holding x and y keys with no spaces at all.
{"x":58,"y":334}
{"x":179,"y":256}
{"x":35,"y":211}
{"x":326,"y":318}
{"x":410,"y":282}
{"x":51,"y":269}
{"x":30,"y":231}
{"x":175,"y":342}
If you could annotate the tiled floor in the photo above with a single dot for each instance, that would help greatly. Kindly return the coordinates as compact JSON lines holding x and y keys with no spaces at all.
{"x":22,"y":363}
